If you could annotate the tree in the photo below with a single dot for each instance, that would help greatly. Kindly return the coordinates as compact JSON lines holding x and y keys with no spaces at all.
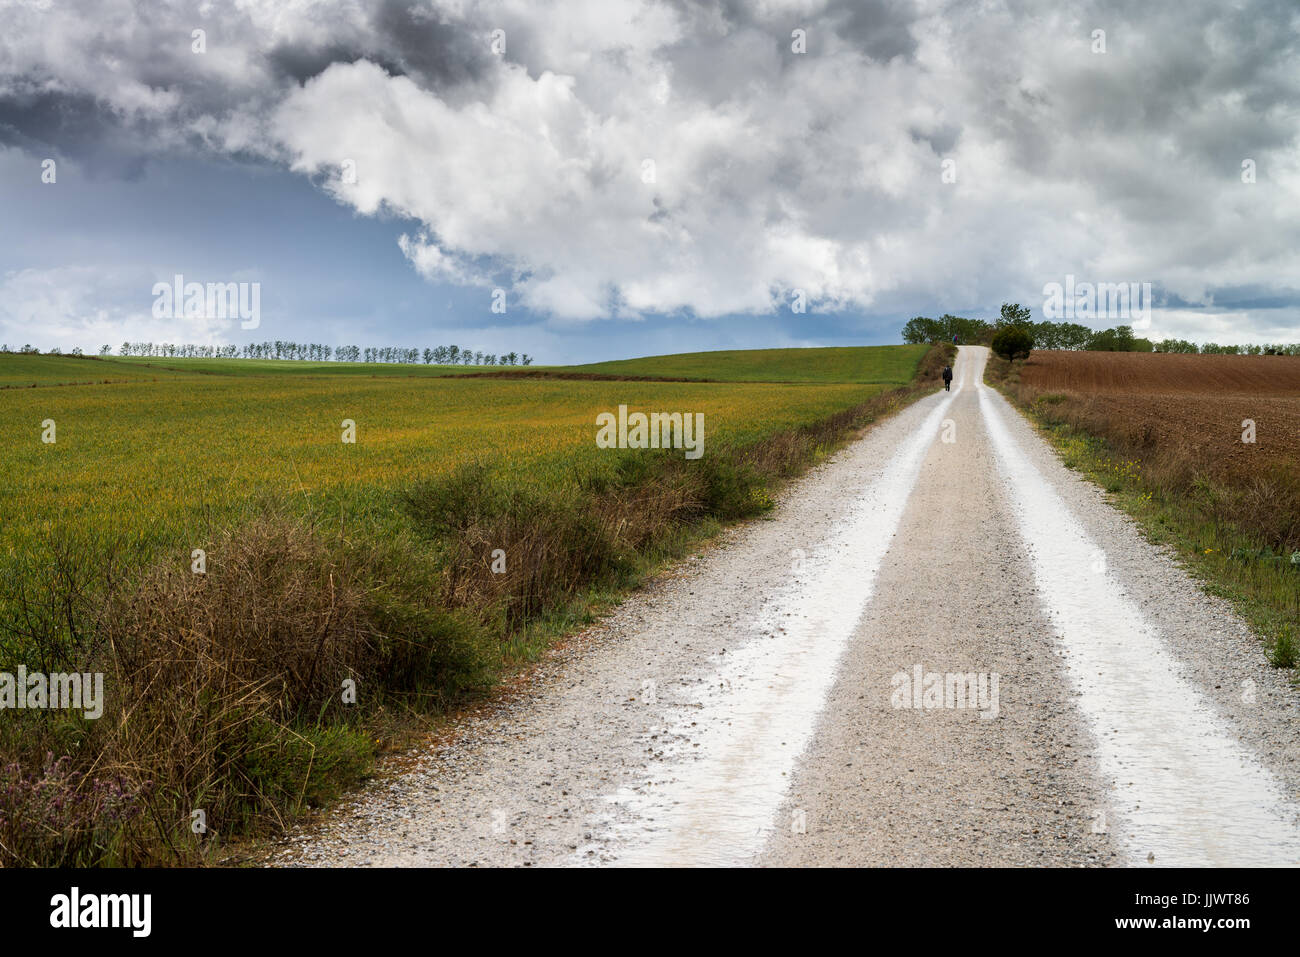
{"x":1119,"y":339}
{"x":969,"y":331}
{"x":1013,"y":314}
{"x":1013,"y":341}
{"x":1074,"y":335}
{"x":1060,"y":335}
{"x":921,"y":329}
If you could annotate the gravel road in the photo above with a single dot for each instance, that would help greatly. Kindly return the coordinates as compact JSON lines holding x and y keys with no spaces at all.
{"x":943,"y":648}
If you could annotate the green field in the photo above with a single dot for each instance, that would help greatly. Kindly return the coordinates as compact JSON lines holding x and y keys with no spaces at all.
{"x":882,"y":365}
{"x":886,"y":365}
{"x":22,"y":371}
{"x":161,"y":445}
{"x":146,"y":460}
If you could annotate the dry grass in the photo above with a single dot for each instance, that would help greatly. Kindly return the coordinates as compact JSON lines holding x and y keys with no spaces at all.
{"x":225,"y":691}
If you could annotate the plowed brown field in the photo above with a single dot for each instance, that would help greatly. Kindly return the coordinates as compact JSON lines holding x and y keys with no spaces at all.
{"x":1136,"y":372}
{"x":1182,"y":417}
{"x":1197,"y":402}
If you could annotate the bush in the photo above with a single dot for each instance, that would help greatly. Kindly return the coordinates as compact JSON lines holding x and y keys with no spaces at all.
{"x":1283,"y":653}
{"x":1012,"y":342}
{"x":62,"y":817}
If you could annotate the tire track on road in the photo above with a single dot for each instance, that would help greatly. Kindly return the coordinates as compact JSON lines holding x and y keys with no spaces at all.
{"x":885,"y":782}
{"x":713,"y":800}
{"x":1188,"y":792}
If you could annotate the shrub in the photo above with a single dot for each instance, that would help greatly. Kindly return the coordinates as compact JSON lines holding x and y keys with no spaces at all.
{"x":1013,"y":342}
{"x":62,"y":817}
{"x":1284,"y":652}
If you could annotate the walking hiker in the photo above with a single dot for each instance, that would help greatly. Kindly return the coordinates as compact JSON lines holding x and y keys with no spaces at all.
{"x":947,"y":378}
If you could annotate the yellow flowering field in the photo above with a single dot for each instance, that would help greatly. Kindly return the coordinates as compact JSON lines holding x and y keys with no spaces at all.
{"x":154,"y":461}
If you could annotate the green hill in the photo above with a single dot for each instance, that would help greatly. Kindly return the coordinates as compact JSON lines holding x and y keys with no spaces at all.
{"x":880,"y":365}
{"x":859,"y":364}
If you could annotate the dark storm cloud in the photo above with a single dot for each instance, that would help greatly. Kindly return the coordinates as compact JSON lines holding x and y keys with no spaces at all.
{"x":715,"y":49}
{"x":882,"y":29}
{"x":1242,"y":297}
{"x":46,"y":117}
{"x":941,"y":138}
{"x":441,"y":51}
{"x":302,"y":63}
{"x":1209,"y":76}
{"x":89,"y":108}
{"x":406,"y":38}
{"x":74,"y":126}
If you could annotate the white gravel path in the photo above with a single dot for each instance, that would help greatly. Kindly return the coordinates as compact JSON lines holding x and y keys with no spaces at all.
{"x":744,"y":707}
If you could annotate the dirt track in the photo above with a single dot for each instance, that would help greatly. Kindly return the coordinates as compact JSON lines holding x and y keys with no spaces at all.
{"x":754,"y":705}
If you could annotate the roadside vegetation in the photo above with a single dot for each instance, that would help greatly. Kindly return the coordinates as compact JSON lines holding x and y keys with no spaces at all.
{"x":1163,"y":434}
{"x":272,"y":608}
{"x":1070,"y":336}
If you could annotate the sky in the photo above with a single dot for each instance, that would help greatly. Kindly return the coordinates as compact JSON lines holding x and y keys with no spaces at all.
{"x":596,"y":179}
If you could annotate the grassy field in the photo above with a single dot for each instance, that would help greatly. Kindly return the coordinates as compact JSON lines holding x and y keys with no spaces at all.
{"x":1164,"y":435}
{"x":163,"y":447}
{"x":471,"y":521}
{"x":25,"y":371}
{"x":147,"y":460}
{"x":880,"y":365}
{"x":887,"y":365}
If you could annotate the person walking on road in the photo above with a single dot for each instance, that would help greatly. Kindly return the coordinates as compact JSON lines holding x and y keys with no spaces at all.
{"x":947,"y":378}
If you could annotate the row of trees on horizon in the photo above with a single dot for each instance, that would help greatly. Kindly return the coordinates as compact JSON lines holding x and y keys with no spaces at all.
{"x":1068,"y":335}
{"x":302,"y":351}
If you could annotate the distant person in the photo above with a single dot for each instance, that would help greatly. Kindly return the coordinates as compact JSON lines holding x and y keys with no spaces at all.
{"x":954,"y":340}
{"x":947,"y":378}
